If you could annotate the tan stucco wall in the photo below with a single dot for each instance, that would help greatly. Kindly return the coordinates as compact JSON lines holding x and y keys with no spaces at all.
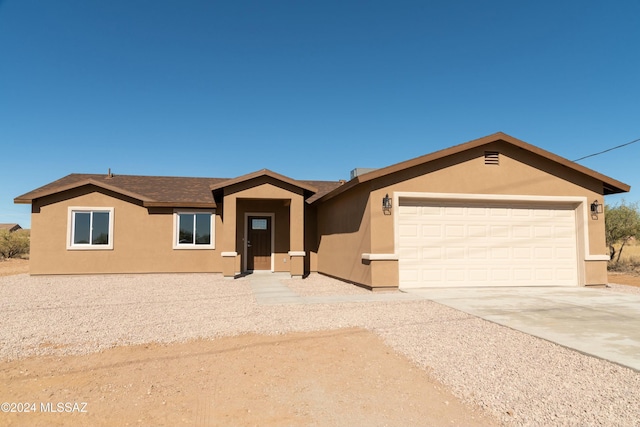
{"x":142,"y":241}
{"x":311,"y":238}
{"x":333,"y":234}
{"x":344,"y":234}
{"x":143,"y":238}
{"x":266,"y":195}
{"x":352,"y":223}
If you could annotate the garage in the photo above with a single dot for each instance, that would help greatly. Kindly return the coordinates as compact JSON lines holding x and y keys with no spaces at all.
{"x":486,"y":243}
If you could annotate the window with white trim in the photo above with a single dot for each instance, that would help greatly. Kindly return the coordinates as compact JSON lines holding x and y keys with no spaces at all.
{"x":90,"y":228}
{"x":194,"y":230}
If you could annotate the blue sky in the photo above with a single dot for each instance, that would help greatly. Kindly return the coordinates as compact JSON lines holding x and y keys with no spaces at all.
{"x":309,"y":89}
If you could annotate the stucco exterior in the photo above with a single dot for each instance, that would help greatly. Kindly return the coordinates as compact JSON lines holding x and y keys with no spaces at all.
{"x":520,"y":173}
{"x":336,"y":228}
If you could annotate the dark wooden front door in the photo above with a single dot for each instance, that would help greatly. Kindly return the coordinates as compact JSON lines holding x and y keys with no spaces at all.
{"x":259,"y":243}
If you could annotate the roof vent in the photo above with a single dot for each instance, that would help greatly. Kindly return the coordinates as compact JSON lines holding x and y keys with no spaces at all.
{"x":360,"y":171}
{"x":491,"y":158}
{"x":109,"y":174}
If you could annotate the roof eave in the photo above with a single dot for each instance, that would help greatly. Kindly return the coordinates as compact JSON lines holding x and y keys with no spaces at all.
{"x":609,"y":184}
{"x":194,"y":205}
{"x":81,"y":183}
{"x":260,"y":173}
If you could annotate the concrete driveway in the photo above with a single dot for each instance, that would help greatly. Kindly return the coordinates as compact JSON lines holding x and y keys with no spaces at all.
{"x":597,"y":322}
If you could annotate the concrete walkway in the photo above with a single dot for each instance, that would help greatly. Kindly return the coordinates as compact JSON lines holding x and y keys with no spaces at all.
{"x":597,"y":322}
{"x":268,"y":289}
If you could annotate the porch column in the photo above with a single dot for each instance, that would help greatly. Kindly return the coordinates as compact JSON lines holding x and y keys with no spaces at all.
{"x":296,"y":236}
{"x":228,"y":252}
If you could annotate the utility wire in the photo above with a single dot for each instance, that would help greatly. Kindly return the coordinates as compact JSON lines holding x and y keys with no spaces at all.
{"x":605,"y":151}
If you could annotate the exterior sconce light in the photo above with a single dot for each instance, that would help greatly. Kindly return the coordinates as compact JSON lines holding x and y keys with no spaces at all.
{"x":386,"y":204}
{"x":596,"y":208}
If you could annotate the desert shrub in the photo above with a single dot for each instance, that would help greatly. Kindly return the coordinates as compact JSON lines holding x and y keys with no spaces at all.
{"x":13,"y":244}
{"x":629,"y":266}
{"x":622,"y":226}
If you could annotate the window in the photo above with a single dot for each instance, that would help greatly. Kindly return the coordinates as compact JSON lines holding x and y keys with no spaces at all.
{"x":258,"y":223}
{"x":90,"y":228}
{"x":194,"y":230}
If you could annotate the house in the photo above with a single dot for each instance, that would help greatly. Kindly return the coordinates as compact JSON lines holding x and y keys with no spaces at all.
{"x":10,"y":227}
{"x":495,"y":211}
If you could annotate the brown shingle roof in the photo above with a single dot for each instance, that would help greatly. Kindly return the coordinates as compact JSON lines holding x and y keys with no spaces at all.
{"x":264,"y":172}
{"x":198,"y":192}
{"x":151,"y":190}
{"x":167,"y":191}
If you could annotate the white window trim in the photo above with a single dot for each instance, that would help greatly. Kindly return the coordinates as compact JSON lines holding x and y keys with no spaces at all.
{"x":176,"y":228}
{"x":88,"y":246}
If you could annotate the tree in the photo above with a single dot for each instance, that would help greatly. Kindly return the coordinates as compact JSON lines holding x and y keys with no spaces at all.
{"x":13,"y":244}
{"x":622,"y":224}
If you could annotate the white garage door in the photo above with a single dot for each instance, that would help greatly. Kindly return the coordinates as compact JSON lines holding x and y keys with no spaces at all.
{"x":444,"y":245}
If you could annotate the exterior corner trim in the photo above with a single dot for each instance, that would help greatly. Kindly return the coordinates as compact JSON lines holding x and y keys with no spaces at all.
{"x":597,"y":258}
{"x":380,"y":257}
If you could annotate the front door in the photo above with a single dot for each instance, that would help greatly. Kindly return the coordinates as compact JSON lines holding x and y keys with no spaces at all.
{"x":259,"y":243}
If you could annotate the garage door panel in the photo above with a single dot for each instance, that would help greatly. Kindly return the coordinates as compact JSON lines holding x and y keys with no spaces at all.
{"x":478,"y":245}
{"x":409,"y":254}
{"x":431,"y":231}
{"x":523,"y":274}
{"x":522,"y":253}
{"x":500,"y":275}
{"x":521,"y":232}
{"x":564,"y":253}
{"x":430,"y":211}
{"x":496,"y":212}
{"x":455,"y":253}
{"x":543,"y":232}
{"x":498,"y":231}
{"x":408,"y":230}
{"x":477,"y":230}
{"x":453,"y":231}
{"x":431,"y":253}
{"x":500,"y":253}
{"x":455,"y":276}
{"x":565,"y":274}
{"x":454,"y":211}
{"x":478,"y":253}
{"x":478,"y":274}
{"x":544,"y":274}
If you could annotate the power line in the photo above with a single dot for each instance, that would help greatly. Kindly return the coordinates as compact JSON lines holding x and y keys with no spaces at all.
{"x":607,"y":150}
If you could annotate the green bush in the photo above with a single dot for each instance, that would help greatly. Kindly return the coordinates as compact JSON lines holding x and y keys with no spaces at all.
{"x":622,"y":225}
{"x":13,"y":244}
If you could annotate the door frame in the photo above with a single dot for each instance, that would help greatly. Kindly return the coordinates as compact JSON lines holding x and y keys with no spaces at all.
{"x":270,"y":215}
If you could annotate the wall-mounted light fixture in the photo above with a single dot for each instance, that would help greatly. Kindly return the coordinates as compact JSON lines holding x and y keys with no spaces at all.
{"x":386,"y":204}
{"x":596,"y":208}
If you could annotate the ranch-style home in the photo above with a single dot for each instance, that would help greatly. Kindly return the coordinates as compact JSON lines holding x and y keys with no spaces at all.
{"x":495,"y":211}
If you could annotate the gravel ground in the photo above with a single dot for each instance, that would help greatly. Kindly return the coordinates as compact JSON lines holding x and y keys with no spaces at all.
{"x":624,"y":288}
{"x":521,"y":379}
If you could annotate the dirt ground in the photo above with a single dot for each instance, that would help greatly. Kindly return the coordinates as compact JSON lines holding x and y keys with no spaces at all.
{"x":341,"y":377}
{"x":329,"y":378}
{"x":624,"y":279}
{"x":12,"y":266}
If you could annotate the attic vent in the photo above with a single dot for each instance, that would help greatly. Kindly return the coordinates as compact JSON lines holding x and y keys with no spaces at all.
{"x":491,"y":158}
